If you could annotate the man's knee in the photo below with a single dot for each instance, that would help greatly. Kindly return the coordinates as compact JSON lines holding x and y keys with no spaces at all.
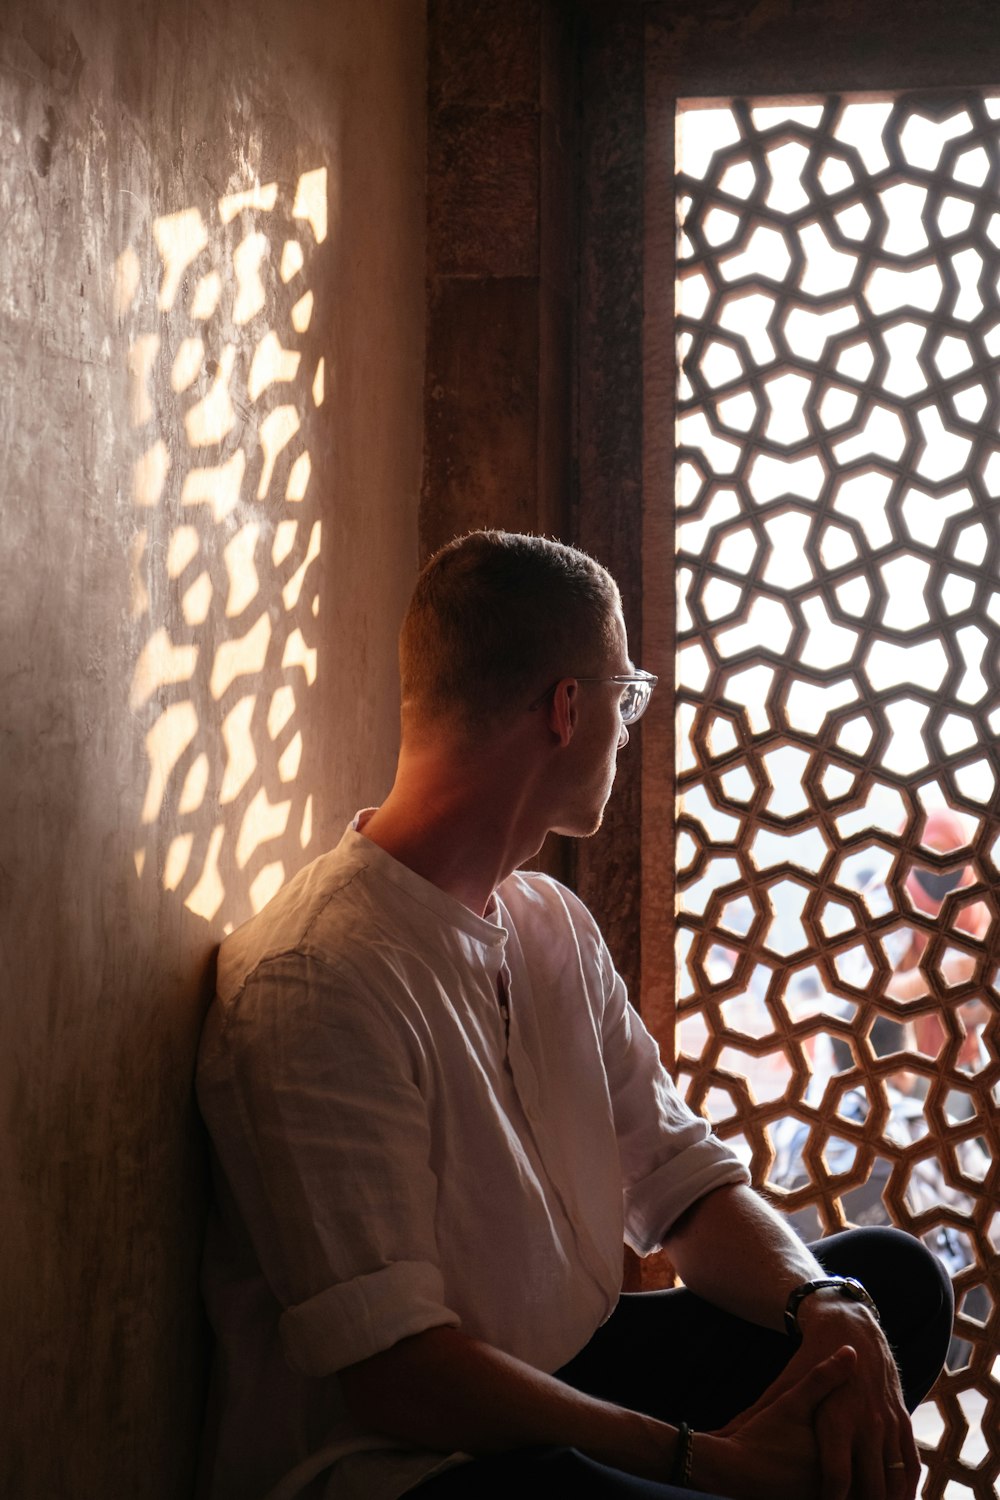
{"x":913,"y":1294}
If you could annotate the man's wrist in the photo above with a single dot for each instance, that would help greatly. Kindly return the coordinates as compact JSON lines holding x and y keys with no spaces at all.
{"x":836,"y":1288}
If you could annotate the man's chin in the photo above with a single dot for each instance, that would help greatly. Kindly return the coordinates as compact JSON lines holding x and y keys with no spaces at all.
{"x":581,"y":829}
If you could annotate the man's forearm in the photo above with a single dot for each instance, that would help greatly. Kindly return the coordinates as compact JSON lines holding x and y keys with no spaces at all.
{"x":444,"y":1391}
{"x":733,"y":1250}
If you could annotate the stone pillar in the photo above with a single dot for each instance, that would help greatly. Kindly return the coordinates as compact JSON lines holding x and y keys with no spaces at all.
{"x":500,"y":267}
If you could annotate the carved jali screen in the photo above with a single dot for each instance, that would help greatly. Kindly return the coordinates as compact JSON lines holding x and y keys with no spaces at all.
{"x":838,"y":525}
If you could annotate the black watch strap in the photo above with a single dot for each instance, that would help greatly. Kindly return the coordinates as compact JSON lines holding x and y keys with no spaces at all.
{"x":845,"y":1285}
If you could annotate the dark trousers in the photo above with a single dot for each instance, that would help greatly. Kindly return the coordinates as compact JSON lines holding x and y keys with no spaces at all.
{"x":677,"y":1358}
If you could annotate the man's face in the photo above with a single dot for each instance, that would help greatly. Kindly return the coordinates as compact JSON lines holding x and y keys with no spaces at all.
{"x":592,"y":755}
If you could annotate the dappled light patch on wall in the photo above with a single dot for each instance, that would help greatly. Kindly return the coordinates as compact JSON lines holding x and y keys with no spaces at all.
{"x":229,"y":367}
{"x":838,"y":526}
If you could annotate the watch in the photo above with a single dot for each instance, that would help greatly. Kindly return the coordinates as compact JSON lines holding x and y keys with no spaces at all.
{"x":846,"y":1286}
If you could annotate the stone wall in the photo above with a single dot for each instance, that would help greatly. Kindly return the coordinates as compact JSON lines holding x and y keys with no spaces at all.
{"x":211,"y":353}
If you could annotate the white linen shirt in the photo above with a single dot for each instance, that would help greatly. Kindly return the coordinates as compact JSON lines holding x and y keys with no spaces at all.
{"x":395,"y":1156}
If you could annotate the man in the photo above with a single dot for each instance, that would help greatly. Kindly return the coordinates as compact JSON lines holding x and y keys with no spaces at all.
{"x":436,"y":1117}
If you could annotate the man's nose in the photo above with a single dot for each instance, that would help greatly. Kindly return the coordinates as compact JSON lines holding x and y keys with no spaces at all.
{"x":623,"y":737}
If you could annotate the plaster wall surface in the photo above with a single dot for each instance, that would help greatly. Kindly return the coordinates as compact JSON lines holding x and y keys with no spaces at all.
{"x":211,"y":358}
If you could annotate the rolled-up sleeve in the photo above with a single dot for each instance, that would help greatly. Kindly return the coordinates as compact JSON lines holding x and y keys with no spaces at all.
{"x":346,"y":1323}
{"x":315,"y":1108}
{"x":669,"y":1156}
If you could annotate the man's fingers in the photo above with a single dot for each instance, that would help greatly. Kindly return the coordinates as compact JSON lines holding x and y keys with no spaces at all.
{"x":836,"y":1454}
{"x":817,"y":1383}
{"x":801,"y":1398}
{"x":902,"y":1465}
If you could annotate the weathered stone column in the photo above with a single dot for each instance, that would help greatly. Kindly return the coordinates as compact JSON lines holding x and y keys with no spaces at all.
{"x":500,"y":267}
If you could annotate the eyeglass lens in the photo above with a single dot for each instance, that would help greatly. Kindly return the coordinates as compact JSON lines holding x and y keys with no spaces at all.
{"x":634,"y":700}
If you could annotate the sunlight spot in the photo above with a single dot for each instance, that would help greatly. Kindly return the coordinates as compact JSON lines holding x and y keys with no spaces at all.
{"x":209,"y":893}
{"x":261,"y":197}
{"x":209,"y":420}
{"x":219,"y":487}
{"x":807,"y":329}
{"x":263,"y":820}
{"x":305,"y":837}
{"x":239,"y":558}
{"x":835,"y":176}
{"x":291,"y":757}
{"x":922,"y":139}
{"x":195,"y":786}
{"x":906,"y":752}
{"x":693,"y":293}
{"x":702,"y":132}
{"x":197,"y":600}
{"x":187,"y":365}
{"x":280,"y":710}
{"x":276,"y":432}
{"x":180,"y":239}
{"x":139,"y":591}
{"x":889,"y":665}
{"x":904,"y":377}
{"x":904,"y":205}
{"x":786,"y":163}
{"x":883,"y":435}
{"x":944,"y":452}
{"x":270,"y":363}
{"x":809,"y":704}
{"x":826,"y":269}
{"x":826,"y":645}
{"x":293,"y":588}
{"x":177,"y":860}
{"x":310,"y":202}
{"x":251,"y":297}
{"x":150,"y":474}
{"x":319,"y":383}
{"x":166,"y":742}
{"x":240,"y":658}
{"x":292,"y":260}
{"x":206,"y":296}
{"x":141,"y":362}
{"x":284,"y":541}
{"x":765,"y":254}
{"x":182,"y":549}
{"x":860,"y":125}
{"x":266,"y":884}
{"x":302,"y":313}
{"x":298,"y":654}
{"x":160,"y":664}
{"x":241,"y":758}
{"x":128,"y":274}
{"x":889,"y":288}
{"x":298,"y":479}
{"x":139,"y":860}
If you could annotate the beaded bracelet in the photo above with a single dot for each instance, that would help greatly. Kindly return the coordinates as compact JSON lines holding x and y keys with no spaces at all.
{"x":680,"y":1469}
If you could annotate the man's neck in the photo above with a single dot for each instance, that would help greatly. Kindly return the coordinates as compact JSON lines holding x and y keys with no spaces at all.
{"x":463,"y":827}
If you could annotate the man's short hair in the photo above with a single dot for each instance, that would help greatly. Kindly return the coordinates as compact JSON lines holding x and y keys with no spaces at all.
{"x":495,"y":617}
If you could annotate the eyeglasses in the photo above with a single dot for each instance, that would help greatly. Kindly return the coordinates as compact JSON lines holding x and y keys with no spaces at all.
{"x":637,"y":689}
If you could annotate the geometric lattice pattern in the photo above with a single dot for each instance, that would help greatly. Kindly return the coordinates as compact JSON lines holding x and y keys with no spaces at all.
{"x":838,"y":509}
{"x":227,"y":370}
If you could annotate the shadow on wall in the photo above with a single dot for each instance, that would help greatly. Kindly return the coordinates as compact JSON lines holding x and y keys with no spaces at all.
{"x":227,"y":366}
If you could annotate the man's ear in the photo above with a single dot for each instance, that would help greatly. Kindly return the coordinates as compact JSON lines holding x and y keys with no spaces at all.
{"x":564,"y":709}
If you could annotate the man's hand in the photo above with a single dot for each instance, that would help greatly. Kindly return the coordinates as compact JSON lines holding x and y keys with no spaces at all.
{"x":732,"y":1250}
{"x":863,"y":1431}
{"x":772,"y":1451}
